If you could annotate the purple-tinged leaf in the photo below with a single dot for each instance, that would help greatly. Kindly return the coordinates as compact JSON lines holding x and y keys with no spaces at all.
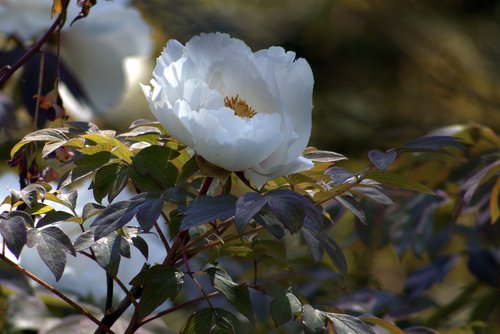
{"x":271,"y":224}
{"x":313,"y":243}
{"x":422,"y":279}
{"x":382,"y":160}
{"x":52,"y":245}
{"x":205,"y":209}
{"x":420,"y":330}
{"x":338,"y":175}
{"x":373,"y":194}
{"x":13,"y":229}
{"x":472,"y":184}
{"x":433,"y":143}
{"x":247,"y":206}
{"x":141,"y":245}
{"x":352,"y":205}
{"x":288,"y":206}
{"x":324,"y":156}
{"x":400,"y":181}
{"x":334,"y":252}
{"x":118,"y":214}
{"x":84,"y":241}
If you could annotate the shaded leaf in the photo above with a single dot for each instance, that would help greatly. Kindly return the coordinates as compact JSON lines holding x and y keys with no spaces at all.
{"x":84,"y":241}
{"x":85,"y":166}
{"x":141,"y":245}
{"x":373,"y":194}
{"x":334,"y":252}
{"x":271,"y":224}
{"x":108,"y":250}
{"x":247,"y":206}
{"x":159,"y":284}
{"x":338,"y":175}
{"x":314,"y":321}
{"x":237,"y":295}
{"x":433,"y":143}
{"x":313,"y":243}
{"x":388,"y":326}
{"x":353,"y":206}
{"x":420,"y":330}
{"x":422,"y":279}
{"x":109,"y":181}
{"x":52,"y":244}
{"x":346,"y":324}
{"x":205,"y":209}
{"x":288,"y":207}
{"x":53,"y":217}
{"x":13,"y":229}
{"x":199,"y":322}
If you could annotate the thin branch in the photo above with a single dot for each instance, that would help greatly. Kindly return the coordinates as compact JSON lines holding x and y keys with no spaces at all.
{"x":30,"y":53}
{"x":178,"y":307}
{"x":164,"y":240}
{"x":58,"y":293}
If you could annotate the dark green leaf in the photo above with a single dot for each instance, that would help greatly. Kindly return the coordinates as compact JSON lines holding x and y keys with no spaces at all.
{"x":346,"y":324}
{"x":141,"y":245}
{"x":188,"y":170}
{"x":153,"y":162}
{"x":199,"y":322}
{"x":382,"y":160}
{"x":247,"y":206}
{"x":90,"y":210}
{"x":159,"y":284}
{"x":84,"y":166}
{"x":225,"y":322}
{"x":53,"y":217}
{"x":313,"y":243}
{"x":205,"y":209}
{"x":283,"y":307}
{"x":269,"y":221}
{"x":314,"y":321}
{"x":420,"y":330}
{"x":52,"y":244}
{"x":109,"y":181}
{"x":13,"y":229}
{"x":236,"y":294}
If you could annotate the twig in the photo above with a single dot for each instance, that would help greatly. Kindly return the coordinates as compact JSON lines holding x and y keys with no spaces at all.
{"x":30,"y":53}
{"x":58,"y":293}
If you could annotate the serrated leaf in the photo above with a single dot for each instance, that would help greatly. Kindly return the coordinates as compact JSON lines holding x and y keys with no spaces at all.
{"x":199,"y":322}
{"x":314,"y":321}
{"x":353,"y":206}
{"x":237,"y":295}
{"x":247,"y":206}
{"x":334,"y":252}
{"x":52,"y":244}
{"x":380,"y":159}
{"x":205,"y":209}
{"x":108,"y":250}
{"x":13,"y":229}
{"x":400,"y":181}
{"x":159,"y":284}
{"x":346,"y":324}
{"x":109,"y":181}
{"x":324,"y":156}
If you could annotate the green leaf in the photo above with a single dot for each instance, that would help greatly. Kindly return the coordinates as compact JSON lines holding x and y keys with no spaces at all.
{"x":399,"y":181}
{"x":199,"y":322}
{"x":52,"y":244}
{"x":84,"y":241}
{"x":188,"y":170}
{"x":153,"y":162}
{"x":237,"y":295}
{"x":109,"y":180}
{"x":49,"y":135}
{"x":346,"y":324}
{"x":334,"y":252}
{"x":108,"y":250}
{"x":84,"y":166}
{"x":205,"y":209}
{"x":314,"y":321}
{"x":388,"y":326}
{"x":13,"y":230}
{"x":284,"y":306}
{"x":159,"y":284}
{"x":225,"y":322}
{"x":53,"y":217}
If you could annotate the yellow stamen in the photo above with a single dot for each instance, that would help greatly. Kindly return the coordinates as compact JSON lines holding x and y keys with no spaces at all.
{"x":239,"y":106}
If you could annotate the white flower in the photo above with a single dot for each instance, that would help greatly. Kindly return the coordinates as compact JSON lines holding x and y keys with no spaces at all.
{"x":94,"y":48}
{"x":239,"y":110}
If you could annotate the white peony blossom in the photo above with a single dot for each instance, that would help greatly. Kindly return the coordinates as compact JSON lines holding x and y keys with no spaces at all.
{"x":239,"y":110}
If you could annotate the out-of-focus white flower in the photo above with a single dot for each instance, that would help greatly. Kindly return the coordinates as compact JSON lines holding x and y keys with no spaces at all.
{"x":239,"y":110}
{"x":95,"y":48}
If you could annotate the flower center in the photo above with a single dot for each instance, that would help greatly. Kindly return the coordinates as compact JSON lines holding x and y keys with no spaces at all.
{"x":239,"y":106}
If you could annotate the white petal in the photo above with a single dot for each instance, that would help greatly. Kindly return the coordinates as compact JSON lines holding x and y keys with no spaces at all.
{"x":232,"y":142}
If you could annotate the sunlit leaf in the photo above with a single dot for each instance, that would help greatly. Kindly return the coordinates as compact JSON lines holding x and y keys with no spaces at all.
{"x":314,"y":321}
{"x":324,"y":156}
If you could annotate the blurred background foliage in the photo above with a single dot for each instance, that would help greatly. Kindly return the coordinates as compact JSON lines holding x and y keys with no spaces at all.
{"x":385,"y":71}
